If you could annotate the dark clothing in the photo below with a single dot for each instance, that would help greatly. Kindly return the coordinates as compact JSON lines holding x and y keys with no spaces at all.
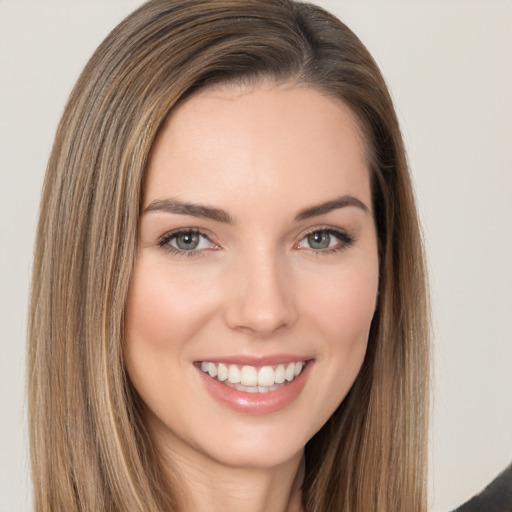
{"x":496,"y":497}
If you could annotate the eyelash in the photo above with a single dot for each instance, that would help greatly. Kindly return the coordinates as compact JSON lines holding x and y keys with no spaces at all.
{"x":345,"y":240}
{"x":164,"y":242}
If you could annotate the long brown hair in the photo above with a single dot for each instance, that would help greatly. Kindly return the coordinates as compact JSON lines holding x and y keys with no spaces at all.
{"x":89,"y":446}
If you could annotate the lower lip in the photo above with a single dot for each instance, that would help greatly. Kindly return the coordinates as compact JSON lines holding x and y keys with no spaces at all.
{"x":256,"y":403}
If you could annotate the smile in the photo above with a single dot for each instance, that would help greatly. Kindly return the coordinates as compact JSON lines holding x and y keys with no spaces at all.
{"x":252,"y":379}
{"x":255,"y":385}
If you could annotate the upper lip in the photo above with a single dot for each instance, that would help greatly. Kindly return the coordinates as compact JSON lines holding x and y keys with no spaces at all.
{"x":257,"y":361}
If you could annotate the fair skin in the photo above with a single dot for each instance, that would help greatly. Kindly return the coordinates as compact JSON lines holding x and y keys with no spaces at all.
{"x":256,"y":277}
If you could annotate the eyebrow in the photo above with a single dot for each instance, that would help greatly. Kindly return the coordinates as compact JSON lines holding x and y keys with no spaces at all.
{"x":322,"y":209}
{"x":195,"y":210}
{"x":219,"y":215}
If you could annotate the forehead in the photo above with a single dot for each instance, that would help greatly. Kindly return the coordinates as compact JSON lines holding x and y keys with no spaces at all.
{"x":258,"y":139}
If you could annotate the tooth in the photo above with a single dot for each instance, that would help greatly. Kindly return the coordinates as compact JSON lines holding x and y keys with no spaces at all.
{"x":249,"y":376}
{"x":222,"y":372}
{"x":262,"y":380}
{"x":290,"y":372}
{"x":266,"y":376}
{"x":280,"y":374}
{"x":212,"y":369}
{"x":234,"y":374}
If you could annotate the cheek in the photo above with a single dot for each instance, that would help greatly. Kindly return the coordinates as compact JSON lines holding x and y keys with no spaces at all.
{"x":164,"y":311}
{"x":342,"y":312}
{"x":337,"y":314}
{"x":164,"y":308}
{"x":162,"y":315}
{"x":344,"y":306}
{"x":147,"y":328}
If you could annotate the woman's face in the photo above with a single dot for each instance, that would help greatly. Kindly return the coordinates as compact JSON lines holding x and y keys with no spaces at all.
{"x":256,"y":275}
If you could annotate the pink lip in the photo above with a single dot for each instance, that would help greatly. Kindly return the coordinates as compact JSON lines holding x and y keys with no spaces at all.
{"x":256,"y":403}
{"x":257,"y":361}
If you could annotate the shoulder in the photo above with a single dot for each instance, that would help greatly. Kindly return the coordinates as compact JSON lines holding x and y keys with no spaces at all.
{"x":496,"y":497}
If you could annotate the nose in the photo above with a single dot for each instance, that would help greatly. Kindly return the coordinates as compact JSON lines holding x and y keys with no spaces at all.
{"x":262,"y":296}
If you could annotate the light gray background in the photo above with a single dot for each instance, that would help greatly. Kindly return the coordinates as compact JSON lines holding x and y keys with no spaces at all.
{"x":449,"y":67}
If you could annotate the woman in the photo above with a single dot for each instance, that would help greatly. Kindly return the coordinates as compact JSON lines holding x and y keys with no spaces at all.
{"x":228,"y":305}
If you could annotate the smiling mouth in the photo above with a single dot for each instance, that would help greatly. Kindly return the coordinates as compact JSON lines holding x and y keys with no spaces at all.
{"x":252,"y":379}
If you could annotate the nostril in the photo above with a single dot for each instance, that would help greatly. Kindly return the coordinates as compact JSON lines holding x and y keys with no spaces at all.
{"x":260,"y":320}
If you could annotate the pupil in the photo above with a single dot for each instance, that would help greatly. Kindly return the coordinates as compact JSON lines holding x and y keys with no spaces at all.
{"x":319,"y":240}
{"x":187,"y":241}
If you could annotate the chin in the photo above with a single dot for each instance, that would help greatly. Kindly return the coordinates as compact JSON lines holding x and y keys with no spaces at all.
{"x":256,"y":454}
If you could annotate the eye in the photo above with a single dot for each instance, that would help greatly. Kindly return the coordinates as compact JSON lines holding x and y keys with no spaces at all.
{"x":326,"y":239}
{"x":186,"y":241}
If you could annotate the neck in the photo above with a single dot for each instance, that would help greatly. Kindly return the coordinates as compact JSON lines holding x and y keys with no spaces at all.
{"x":211,"y":487}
